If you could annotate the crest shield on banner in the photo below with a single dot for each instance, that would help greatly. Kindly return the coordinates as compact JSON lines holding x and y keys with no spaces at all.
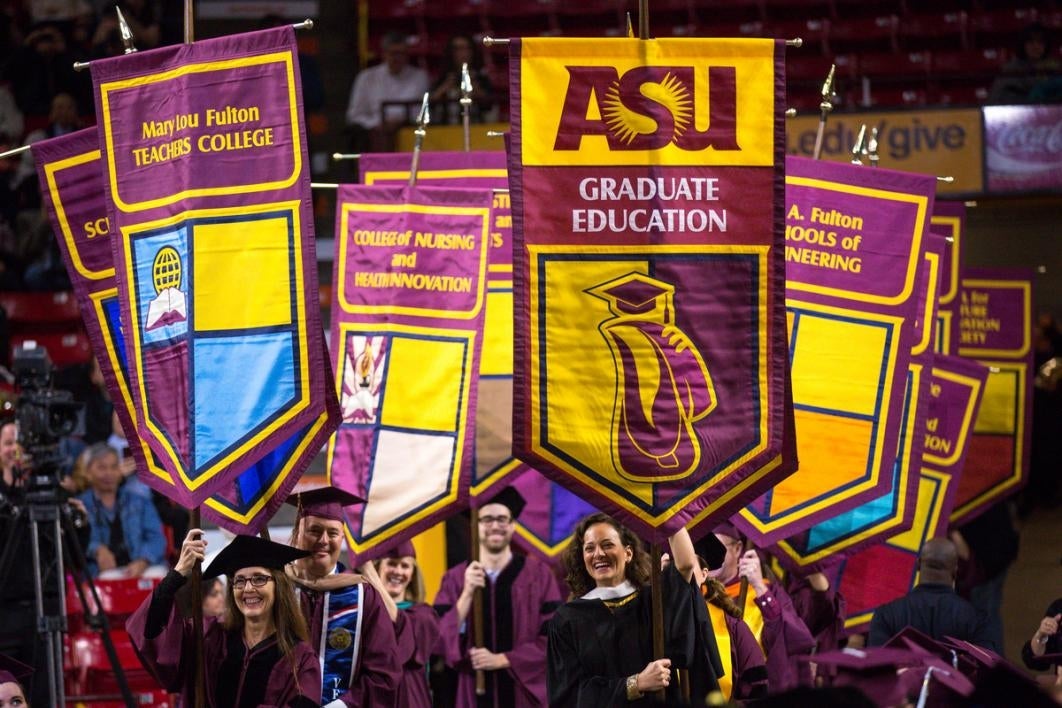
{"x":71,"y":180}
{"x":650,"y":369}
{"x":410,"y":289}
{"x":995,"y":328}
{"x":205,"y":173}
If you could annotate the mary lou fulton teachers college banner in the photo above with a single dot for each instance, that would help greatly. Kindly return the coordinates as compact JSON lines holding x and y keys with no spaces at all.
{"x":205,"y":172}
{"x":647,"y":200}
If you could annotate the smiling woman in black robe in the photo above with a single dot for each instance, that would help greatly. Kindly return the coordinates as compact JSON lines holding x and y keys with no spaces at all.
{"x":600,"y":643}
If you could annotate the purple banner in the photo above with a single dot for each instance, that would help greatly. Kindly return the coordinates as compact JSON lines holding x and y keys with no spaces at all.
{"x":949,"y":221}
{"x":407,"y":323}
{"x":206,"y":179}
{"x":882,"y":573}
{"x":71,"y":178}
{"x":995,"y":328}
{"x":1023,"y":148}
{"x":855,"y":254}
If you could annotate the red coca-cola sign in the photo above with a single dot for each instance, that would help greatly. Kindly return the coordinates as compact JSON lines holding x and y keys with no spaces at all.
{"x":1023,"y":148}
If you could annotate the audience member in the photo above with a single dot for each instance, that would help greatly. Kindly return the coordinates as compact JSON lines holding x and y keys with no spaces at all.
{"x":1033,"y":75}
{"x":519,"y":594}
{"x":1046,"y":641}
{"x":446,"y":91}
{"x":393,"y":80}
{"x":933,"y":607}
{"x":126,"y":538}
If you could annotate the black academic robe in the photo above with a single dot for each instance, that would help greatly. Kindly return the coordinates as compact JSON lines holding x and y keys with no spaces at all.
{"x":234,"y":676}
{"x":594,"y":645}
{"x":935,"y":610}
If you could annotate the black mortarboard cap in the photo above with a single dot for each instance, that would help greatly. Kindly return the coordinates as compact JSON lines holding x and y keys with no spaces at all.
{"x":510,"y":499}
{"x":325,"y":502}
{"x":633,"y":293}
{"x":250,"y":551}
{"x":13,"y":670}
{"x":711,"y":550}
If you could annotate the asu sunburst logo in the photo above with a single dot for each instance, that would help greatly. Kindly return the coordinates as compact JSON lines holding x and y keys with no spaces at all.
{"x":627,"y":125}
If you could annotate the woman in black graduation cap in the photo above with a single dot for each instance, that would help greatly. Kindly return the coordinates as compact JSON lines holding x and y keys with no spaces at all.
{"x":258,"y":655}
{"x":600,"y":643}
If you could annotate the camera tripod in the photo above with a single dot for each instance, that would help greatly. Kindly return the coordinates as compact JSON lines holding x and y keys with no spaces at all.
{"x":46,"y":518}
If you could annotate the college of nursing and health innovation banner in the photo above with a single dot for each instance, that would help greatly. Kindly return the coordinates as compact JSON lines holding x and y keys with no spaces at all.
{"x":894,"y":511}
{"x":883,"y":572}
{"x":206,"y":177}
{"x":995,"y":328}
{"x":71,"y":179}
{"x":855,"y":245}
{"x":410,"y":289}
{"x":646,"y":183}
{"x":949,"y":220}
{"x":494,"y":462}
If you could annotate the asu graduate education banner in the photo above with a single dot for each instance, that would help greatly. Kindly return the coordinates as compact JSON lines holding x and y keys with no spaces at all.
{"x":646,"y":183}
{"x":407,"y":328}
{"x":71,"y":179}
{"x":208,"y":188}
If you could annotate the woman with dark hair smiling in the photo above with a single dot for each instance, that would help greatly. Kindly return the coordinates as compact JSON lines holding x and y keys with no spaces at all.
{"x":600,"y":643}
{"x":258,"y":655}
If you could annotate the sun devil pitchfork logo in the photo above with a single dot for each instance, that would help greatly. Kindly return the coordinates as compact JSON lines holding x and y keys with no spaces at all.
{"x":648,"y":108}
{"x":662,"y":383}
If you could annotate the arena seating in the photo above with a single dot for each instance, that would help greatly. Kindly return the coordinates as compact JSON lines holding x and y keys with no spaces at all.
{"x":52,"y":320}
{"x":893,"y":52}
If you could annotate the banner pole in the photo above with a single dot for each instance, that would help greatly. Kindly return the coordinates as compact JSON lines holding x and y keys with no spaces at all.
{"x":466,"y":106}
{"x":656,"y":601}
{"x":643,"y":19}
{"x":418,"y":142}
{"x":872,"y":147}
{"x":477,"y":598}
{"x":824,"y":107}
{"x":196,"y":580}
{"x":743,"y":588}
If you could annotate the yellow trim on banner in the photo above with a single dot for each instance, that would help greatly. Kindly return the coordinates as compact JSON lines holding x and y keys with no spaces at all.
{"x":1026,"y":317}
{"x":907,"y":468}
{"x":123,"y":384}
{"x":344,"y":230}
{"x":371,"y":178}
{"x":927,"y":320}
{"x":551,"y":94}
{"x":954,"y":224}
{"x":206,"y":475}
{"x":376,"y":328}
{"x":105,"y":89}
{"x":889,"y":367}
{"x":50,"y":170}
{"x":922,"y":205}
{"x":643,"y":491}
{"x":974,"y":386}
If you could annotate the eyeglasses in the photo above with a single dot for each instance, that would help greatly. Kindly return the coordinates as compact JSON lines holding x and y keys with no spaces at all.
{"x":258,"y":581}
{"x":500,"y":520}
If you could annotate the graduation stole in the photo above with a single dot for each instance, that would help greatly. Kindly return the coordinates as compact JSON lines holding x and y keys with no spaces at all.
{"x":752,"y":615}
{"x":722,"y":642}
{"x":340,"y":641}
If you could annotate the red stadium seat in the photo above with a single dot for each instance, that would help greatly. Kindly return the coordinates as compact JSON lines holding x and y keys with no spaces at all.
{"x":1000,"y":28}
{"x":901,"y":66}
{"x":941,"y":31}
{"x":40,"y":308}
{"x":862,"y":34}
{"x":396,"y":9}
{"x":968,"y":95}
{"x":812,"y":32}
{"x":894,"y":96}
{"x":975,"y":62}
{"x":93,"y":672}
{"x":64,"y":347}
{"x":119,"y":598}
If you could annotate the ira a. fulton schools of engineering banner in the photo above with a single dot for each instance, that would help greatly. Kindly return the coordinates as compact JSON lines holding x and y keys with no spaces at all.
{"x":646,"y":183}
{"x":204,"y":151}
{"x":407,"y":327}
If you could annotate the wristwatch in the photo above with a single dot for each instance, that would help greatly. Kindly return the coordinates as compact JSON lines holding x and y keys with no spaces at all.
{"x":633,"y":693}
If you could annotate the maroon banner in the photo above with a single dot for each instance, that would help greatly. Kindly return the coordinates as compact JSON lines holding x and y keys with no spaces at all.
{"x":949,"y":220}
{"x":995,"y":328}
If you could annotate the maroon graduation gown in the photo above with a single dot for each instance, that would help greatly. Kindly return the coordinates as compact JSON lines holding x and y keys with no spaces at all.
{"x":169,"y":658}
{"x":746,"y":661}
{"x":416,"y":632}
{"x":517,"y":607}
{"x":378,"y":672}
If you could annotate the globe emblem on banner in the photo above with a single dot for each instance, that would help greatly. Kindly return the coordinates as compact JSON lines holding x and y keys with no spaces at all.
{"x":166,"y":270}
{"x":169,"y":306}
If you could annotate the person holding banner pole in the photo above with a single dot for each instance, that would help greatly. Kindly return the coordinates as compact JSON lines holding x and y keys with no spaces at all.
{"x":768,"y":610}
{"x":601,"y":642}
{"x":349,"y":626}
{"x":520,"y":595}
